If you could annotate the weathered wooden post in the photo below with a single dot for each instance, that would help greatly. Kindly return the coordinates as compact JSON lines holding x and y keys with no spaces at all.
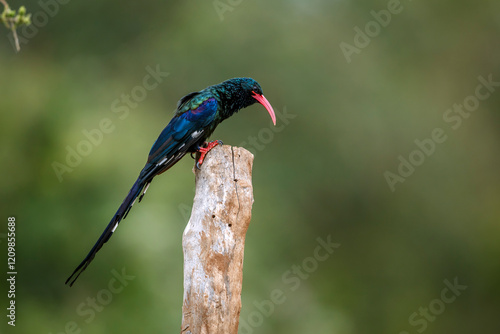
{"x":214,"y":240}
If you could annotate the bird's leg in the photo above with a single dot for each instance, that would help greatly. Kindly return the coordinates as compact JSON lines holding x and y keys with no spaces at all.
{"x":204,"y":150}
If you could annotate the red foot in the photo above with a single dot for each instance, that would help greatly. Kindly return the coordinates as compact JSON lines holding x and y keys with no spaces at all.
{"x":205,"y":150}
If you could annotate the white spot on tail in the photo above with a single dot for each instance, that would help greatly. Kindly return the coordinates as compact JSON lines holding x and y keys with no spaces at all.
{"x":165,"y":161}
{"x":161,"y":162}
{"x":114,"y":228}
{"x":146,"y":189}
{"x":196,"y":134}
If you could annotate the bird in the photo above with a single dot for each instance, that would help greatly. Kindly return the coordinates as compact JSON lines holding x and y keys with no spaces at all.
{"x":195,"y":119}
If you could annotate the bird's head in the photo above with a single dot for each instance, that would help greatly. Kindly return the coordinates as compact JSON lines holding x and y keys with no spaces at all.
{"x":247,"y":91}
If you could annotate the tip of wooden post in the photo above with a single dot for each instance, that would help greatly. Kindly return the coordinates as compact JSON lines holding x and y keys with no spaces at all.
{"x":219,"y":153}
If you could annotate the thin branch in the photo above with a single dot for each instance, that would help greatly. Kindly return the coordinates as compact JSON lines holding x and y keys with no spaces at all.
{"x":12,"y":20}
{"x":16,"y":39}
{"x":5,"y":3}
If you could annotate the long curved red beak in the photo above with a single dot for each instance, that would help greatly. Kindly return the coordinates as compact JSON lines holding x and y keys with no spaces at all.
{"x":262,"y":100}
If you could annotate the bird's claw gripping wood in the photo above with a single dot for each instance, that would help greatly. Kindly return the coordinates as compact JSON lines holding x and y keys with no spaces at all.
{"x":205,"y":150}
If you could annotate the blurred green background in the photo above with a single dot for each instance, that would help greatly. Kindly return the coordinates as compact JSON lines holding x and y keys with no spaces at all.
{"x":321,"y":173}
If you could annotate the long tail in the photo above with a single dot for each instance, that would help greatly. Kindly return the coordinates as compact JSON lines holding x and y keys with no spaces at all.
{"x":122,"y":212}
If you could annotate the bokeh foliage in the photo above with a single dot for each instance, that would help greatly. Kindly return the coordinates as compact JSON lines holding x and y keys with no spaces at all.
{"x":321,"y":174}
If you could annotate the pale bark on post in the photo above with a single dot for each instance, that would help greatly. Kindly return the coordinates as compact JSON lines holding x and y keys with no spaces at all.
{"x":213,"y":242}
